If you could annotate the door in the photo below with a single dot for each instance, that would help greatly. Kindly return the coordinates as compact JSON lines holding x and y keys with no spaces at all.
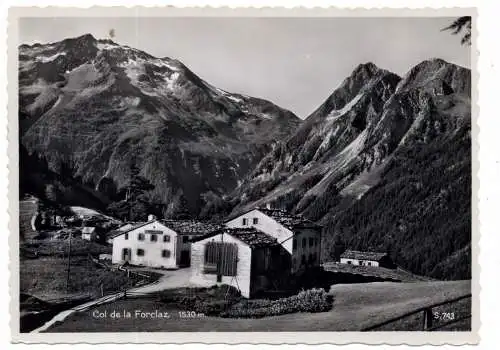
{"x":185,"y":258}
{"x":126,"y":254}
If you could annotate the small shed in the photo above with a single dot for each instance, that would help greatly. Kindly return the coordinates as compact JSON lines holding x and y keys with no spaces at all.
{"x":89,"y":233}
{"x":359,"y":258}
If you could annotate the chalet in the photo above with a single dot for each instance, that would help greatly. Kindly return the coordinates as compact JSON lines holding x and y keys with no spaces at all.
{"x":246,"y":258}
{"x":89,"y":233}
{"x":155,"y":243}
{"x":354,"y":257}
{"x":300,"y":237}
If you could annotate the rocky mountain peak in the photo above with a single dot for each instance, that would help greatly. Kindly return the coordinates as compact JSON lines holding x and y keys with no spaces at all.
{"x":437,"y":76}
{"x":365,"y":70}
{"x":96,"y":106}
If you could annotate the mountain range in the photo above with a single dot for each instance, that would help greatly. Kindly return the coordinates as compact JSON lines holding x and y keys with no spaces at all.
{"x":383,"y":164}
{"x":98,"y":108}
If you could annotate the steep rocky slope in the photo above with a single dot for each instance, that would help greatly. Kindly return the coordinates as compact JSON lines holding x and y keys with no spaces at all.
{"x":383,"y":164}
{"x":93,"y":108}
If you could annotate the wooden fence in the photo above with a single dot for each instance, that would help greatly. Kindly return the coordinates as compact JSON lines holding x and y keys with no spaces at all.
{"x":428,"y":317}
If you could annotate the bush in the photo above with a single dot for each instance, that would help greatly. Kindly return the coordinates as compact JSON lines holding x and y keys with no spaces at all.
{"x":312,"y":300}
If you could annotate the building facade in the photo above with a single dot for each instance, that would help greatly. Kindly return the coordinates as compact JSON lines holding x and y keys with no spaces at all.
{"x":359,"y":258}
{"x":300,"y":237}
{"x":245,"y":258}
{"x":148,"y":244}
{"x":157,"y":243}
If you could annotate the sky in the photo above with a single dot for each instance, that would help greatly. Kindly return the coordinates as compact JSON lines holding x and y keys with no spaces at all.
{"x":294,"y":62}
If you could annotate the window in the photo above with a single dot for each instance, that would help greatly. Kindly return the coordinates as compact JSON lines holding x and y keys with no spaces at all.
{"x":126,"y":236}
{"x":310,"y":258}
{"x":315,"y":257}
{"x":154,"y":238}
{"x":166,"y":238}
{"x":311,"y":241}
{"x":349,"y":262}
{"x":360,"y":262}
{"x":304,"y":242}
{"x":140,"y":236}
{"x":245,"y":221}
{"x":303,"y":260}
{"x":140,"y":252}
{"x":316,"y":240}
{"x":369,"y":263}
{"x":255,"y":221}
{"x":165,"y":253}
{"x":294,"y":243}
{"x":185,"y":239}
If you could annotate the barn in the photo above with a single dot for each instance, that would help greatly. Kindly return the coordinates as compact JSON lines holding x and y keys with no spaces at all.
{"x":245,"y":258}
{"x":300,"y":237}
{"x":359,"y":258}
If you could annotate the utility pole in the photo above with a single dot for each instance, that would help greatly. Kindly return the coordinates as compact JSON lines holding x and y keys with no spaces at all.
{"x":69,"y":262}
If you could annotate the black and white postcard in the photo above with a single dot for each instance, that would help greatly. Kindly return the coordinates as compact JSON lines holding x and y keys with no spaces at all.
{"x":279,"y":176}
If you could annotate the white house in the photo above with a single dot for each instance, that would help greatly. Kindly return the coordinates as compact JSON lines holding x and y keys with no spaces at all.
{"x":155,"y":243}
{"x":245,"y":258}
{"x":358,"y":258}
{"x":300,"y":237}
{"x":148,"y":244}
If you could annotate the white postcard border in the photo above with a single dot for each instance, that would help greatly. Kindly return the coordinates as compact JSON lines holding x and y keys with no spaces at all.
{"x":411,"y":338}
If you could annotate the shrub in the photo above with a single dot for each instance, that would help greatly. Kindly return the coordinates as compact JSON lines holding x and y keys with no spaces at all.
{"x":312,"y":300}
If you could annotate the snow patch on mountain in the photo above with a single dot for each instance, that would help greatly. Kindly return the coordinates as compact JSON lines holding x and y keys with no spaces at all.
{"x":45,"y":59}
{"x":107,"y":46}
{"x":337,"y":113}
{"x":171,"y":80}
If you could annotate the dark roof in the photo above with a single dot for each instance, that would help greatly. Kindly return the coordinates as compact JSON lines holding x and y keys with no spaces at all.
{"x":290,"y":221}
{"x":181,"y":227}
{"x":191,"y":227}
{"x":119,"y":232}
{"x":250,"y":236}
{"x":355,"y":254}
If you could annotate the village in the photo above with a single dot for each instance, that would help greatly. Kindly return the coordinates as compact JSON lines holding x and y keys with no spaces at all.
{"x":254,"y":252}
{"x":259,"y":263}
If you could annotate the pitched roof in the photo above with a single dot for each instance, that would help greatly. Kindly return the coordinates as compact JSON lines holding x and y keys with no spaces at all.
{"x":252,"y":237}
{"x":182,"y":227}
{"x":288,"y":220}
{"x":191,"y":227}
{"x":127,"y":228}
{"x":249,"y":235}
{"x":355,"y":254}
{"x":88,"y":229}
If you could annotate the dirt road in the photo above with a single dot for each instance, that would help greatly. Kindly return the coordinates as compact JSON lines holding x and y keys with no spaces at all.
{"x":356,"y":306}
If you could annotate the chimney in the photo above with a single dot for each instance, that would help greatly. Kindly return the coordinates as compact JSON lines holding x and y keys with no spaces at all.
{"x":268,"y":206}
{"x":151,"y":217}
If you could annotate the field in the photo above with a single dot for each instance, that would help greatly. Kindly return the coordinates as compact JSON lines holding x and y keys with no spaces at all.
{"x":355,"y":307}
{"x":45,"y":273}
